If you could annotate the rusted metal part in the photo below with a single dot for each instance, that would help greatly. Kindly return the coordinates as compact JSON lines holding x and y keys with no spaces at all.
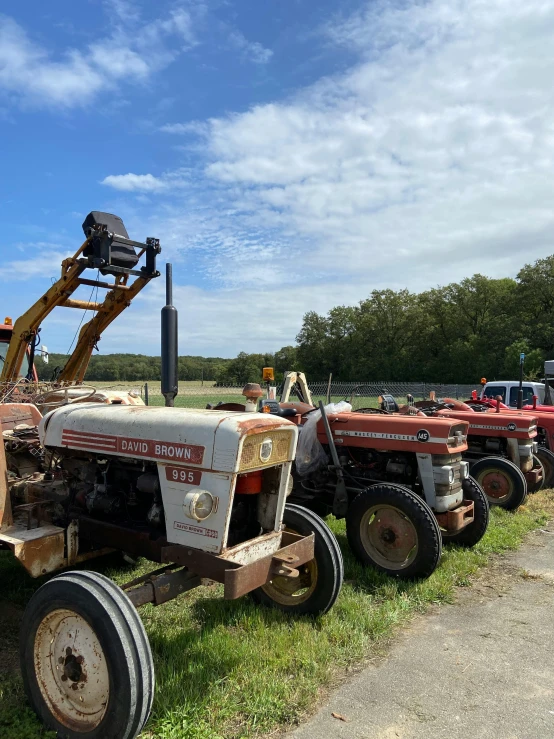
{"x":458,"y":519}
{"x":248,"y":551}
{"x":85,"y":556}
{"x":71,"y":670}
{"x":533,"y":476}
{"x":82,"y":305}
{"x":33,"y":510}
{"x":252,"y":390}
{"x":136,"y":543}
{"x":14,"y":414}
{"x":105,"y":285}
{"x":6,"y":517}
{"x":160,"y":588}
{"x":205,"y":564}
{"x":242,"y":580}
{"x":40,"y":550}
{"x":149,"y":575}
{"x":45,"y":548}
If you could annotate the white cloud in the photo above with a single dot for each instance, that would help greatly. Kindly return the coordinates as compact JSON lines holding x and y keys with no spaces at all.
{"x":223,"y":323}
{"x":429,"y":159}
{"x":251,"y":50}
{"x":134,"y":182}
{"x":436,"y":147}
{"x":199,"y":128}
{"x":169,"y":181}
{"x":45,"y":262}
{"x":132,"y":53}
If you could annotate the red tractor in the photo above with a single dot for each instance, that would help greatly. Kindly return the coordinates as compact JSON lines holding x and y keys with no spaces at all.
{"x":544,"y":418}
{"x":502,"y":449}
{"x":399,"y":481}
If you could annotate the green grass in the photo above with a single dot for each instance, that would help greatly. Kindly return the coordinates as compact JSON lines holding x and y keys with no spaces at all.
{"x":196,"y":401}
{"x":231,"y":669}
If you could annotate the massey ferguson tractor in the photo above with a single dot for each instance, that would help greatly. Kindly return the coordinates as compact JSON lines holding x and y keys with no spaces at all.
{"x":542,"y":411}
{"x":399,"y":480}
{"x":502,"y":449}
{"x":201,"y":493}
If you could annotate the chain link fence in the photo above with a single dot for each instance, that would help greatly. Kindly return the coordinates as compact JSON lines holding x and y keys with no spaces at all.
{"x":366,"y":394}
{"x":360,"y":394}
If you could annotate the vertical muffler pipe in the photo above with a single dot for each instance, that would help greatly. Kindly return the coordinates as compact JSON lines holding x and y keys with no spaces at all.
{"x":520,"y":390}
{"x":170,"y":377}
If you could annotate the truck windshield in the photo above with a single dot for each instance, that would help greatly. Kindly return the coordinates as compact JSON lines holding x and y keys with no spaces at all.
{"x":527,"y":395}
{"x":493,"y":390}
{"x":3,"y":351}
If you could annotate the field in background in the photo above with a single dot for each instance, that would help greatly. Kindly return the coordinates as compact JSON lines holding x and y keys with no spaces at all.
{"x":194,"y":394}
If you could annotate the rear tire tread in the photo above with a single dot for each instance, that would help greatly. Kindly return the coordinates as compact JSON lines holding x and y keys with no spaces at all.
{"x":508,"y":467}
{"x":421,"y":515}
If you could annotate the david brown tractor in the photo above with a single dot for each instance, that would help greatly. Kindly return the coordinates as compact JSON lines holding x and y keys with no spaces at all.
{"x":201,"y":493}
{"x":399,"y":481}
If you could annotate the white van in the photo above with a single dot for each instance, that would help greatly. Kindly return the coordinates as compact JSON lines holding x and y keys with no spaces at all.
{"x":509,"y":388}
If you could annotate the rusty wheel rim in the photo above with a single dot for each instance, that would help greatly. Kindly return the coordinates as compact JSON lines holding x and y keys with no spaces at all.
{"x":71,"y":670}
{"x":291,"y":592}
{"x":389,"y":537}
{"x":496,"y":484}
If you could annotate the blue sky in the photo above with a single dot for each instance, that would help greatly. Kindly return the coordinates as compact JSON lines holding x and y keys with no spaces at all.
{"x":291,"y":155}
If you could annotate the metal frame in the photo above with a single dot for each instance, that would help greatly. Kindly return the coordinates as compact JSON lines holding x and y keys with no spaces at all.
{"x":118,"y":298}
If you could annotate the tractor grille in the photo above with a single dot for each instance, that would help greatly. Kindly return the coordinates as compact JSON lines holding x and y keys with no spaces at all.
{"x":281,"y":450}
{"x":453,"y":461}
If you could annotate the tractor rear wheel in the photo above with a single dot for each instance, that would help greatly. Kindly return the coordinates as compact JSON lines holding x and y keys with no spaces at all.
{"x":85,"y":659}
{"x":546,"y":458}
{"x":318,"y":586}
{"x":503,"y":482}
{"x":470,"y":535}
{"x":391,"y":528}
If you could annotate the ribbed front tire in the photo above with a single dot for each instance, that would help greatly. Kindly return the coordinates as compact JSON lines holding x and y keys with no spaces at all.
{"x":85,"y":659}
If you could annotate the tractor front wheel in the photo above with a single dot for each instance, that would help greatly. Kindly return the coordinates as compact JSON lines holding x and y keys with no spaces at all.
{"x":546,"y":458}
{"x":391,"y":528}
{"x":85,"y":659}
{"x":318,"y":585}
{"x":503,"y":482}
{"x":475,"y":531}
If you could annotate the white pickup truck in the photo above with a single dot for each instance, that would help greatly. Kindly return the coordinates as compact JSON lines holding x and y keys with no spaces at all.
{"x":508,"y":389}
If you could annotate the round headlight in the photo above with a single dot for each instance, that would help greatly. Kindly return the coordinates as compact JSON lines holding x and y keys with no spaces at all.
{"x":266,"y":450}
{"x":199,"y":504}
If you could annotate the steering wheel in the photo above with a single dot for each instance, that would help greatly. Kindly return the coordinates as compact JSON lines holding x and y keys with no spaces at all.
{"x":84,"y":392}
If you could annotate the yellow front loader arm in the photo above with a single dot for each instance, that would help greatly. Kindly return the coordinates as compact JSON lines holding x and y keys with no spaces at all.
{"x":108,"y":249}
{"x":114,"y":304}
{"x":27,"y":325}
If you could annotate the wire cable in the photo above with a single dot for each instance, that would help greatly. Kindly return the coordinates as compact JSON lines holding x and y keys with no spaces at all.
{"x":84,"y":314}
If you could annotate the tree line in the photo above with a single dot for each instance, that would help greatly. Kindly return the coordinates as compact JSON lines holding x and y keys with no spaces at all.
{"x":457,"y":333}
{"x":135,"y":367}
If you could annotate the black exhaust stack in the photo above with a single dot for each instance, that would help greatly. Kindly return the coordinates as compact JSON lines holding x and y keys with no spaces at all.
{"x":170,"y":350}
